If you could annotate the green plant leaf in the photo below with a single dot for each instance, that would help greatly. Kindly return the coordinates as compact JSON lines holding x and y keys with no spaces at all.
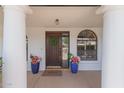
{"x":53,"y":41}
{"x":1,"y":61}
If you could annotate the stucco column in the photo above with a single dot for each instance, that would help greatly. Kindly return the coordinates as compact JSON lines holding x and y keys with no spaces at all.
{"x":113,"y":47}
{"x":14,"y":73}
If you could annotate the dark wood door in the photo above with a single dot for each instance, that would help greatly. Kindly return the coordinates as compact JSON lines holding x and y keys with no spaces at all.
{"x":53,"y":49}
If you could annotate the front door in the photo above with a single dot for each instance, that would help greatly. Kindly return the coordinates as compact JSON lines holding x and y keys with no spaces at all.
{"x":53,"y":49}
{"x":57,"y":49}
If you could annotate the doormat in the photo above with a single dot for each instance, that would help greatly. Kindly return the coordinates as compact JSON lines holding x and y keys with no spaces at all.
{"x":52,"y":73}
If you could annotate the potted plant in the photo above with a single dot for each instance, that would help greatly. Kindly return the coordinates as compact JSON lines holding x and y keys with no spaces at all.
{"x":0,"y":62}
{"x":70,"y":55}
{"x":74,"y":64}
{"x":35,"y":63}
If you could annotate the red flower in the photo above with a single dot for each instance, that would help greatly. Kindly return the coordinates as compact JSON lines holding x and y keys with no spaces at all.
{"x":35,"y":59}
{"x":75,"y":59}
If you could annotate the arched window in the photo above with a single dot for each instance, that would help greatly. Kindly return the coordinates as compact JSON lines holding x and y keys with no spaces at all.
{"x":87,"y":45}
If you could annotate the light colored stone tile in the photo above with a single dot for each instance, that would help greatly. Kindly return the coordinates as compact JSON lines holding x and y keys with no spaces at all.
{"x":83,"y":79}
{"x":0,"y":79}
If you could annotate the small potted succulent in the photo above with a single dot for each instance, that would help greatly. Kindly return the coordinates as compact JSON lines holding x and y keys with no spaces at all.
{"x":35,"y":63}
{"x":74,"y":64}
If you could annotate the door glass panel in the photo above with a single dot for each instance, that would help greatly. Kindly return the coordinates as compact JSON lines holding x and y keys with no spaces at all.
{"x":65,"y":49}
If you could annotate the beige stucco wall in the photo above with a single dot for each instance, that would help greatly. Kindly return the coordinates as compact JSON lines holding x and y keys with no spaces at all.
{"x":36,"y":37}
{"x":36,"y":42}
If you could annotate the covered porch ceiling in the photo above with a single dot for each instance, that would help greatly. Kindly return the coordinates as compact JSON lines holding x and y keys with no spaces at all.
{"x":69,"y":16}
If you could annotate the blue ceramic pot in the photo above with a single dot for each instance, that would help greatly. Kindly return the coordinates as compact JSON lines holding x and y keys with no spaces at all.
{"x":35,"y":68}
{"x":74,"y":67}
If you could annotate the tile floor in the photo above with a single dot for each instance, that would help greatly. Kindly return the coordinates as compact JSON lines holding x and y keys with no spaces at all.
{"x":83,"y":79}
{"x":0,"y":79}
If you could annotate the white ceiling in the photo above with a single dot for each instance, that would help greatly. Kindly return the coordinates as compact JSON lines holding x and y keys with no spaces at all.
{"x":68,"y":16}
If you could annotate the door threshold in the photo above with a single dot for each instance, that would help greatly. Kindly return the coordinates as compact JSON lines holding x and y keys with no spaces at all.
{"x":54,"y":67}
